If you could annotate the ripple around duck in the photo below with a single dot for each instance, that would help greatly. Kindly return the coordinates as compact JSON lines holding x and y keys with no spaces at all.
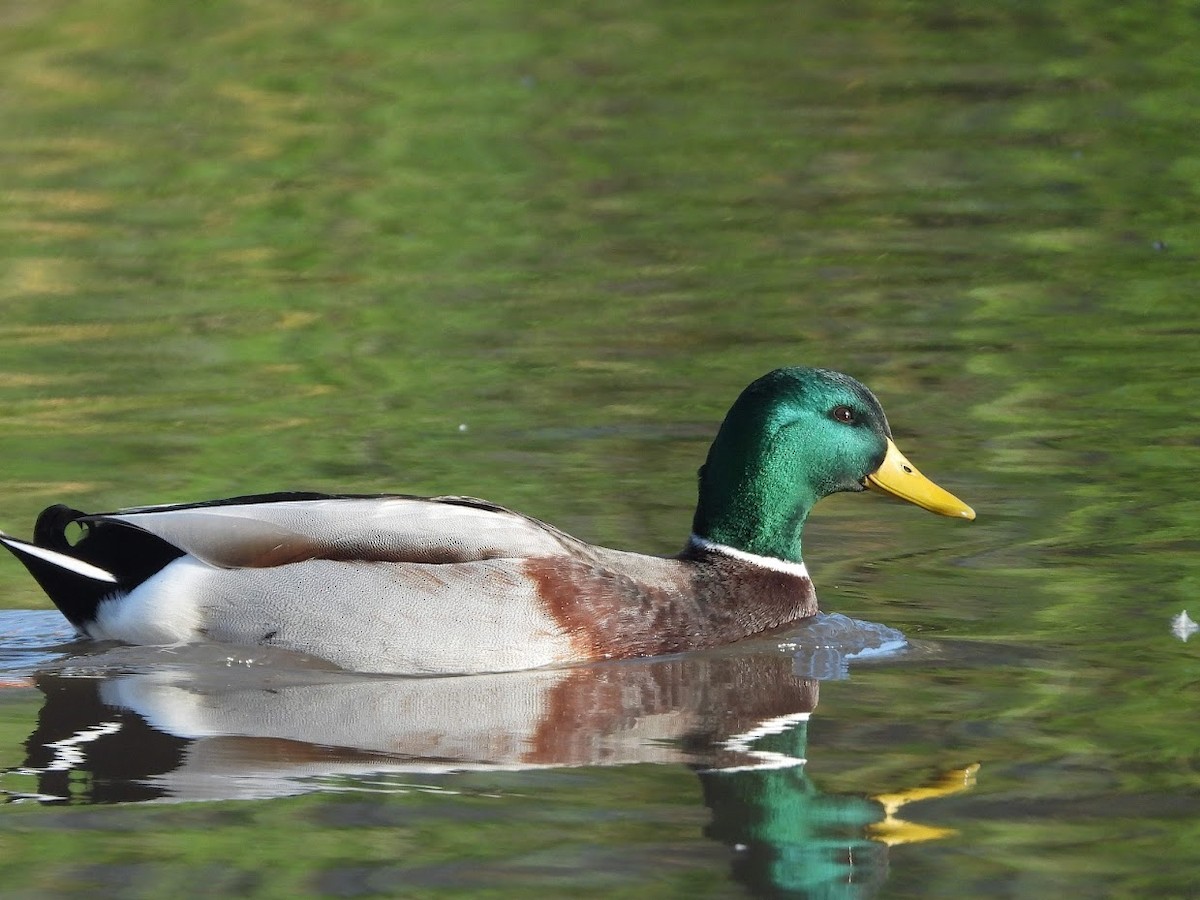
{"x":31,"y":638}
{"x":824,"y":646}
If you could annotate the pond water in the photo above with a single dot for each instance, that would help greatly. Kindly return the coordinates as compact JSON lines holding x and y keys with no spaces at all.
{"x":532,"y":254}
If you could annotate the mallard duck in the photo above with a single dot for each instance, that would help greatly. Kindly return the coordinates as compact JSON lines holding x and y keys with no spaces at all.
{"x":402,"y":584}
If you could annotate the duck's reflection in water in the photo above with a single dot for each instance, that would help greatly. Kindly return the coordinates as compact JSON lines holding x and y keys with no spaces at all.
{"x":195,"y":730}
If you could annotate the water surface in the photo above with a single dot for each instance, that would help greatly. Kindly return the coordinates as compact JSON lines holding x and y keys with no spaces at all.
{"x":532,"y":254}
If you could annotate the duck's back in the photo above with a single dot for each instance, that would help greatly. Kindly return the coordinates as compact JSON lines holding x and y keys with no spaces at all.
{"x":270,"y":530}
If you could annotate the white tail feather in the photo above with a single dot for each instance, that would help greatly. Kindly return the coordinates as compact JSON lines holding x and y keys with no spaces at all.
{"x":78,"y":566}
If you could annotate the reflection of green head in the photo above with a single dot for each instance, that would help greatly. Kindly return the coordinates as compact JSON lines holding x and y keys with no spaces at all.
{"x":797,"y":840}
{"x":792,"y":437}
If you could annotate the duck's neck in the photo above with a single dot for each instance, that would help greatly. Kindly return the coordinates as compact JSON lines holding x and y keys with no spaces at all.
{"x":750,"y":513}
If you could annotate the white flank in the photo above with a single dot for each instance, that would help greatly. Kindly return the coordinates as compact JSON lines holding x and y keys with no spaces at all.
{"x":163,"y":609}
{"x":404,"y":618}
{"x":78,"y":566}
{"x":799,"y":570}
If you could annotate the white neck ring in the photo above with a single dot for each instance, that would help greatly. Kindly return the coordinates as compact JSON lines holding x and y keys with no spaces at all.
{"x":795,"y":569}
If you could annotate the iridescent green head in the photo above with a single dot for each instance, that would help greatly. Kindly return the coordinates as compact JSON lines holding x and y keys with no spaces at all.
{"x":792,"y":437}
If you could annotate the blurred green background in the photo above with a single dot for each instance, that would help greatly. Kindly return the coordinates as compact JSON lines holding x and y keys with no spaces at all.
{"x":531,"y":252}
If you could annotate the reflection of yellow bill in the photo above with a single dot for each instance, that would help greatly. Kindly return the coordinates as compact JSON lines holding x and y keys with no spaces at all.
{"x":897,"y":476}
{"x":892,"y":831}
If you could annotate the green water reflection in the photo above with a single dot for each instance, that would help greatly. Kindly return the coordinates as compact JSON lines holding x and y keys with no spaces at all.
{"x":124,"y":728}
{"x":531,"y":253}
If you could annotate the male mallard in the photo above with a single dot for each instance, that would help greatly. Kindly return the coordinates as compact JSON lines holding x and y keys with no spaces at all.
{"x":395,"y":583}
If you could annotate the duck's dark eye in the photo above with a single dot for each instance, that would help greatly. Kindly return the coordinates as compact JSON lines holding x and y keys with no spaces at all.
{"x":843,"y":414}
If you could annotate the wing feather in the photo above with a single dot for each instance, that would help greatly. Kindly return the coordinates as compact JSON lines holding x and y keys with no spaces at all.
{"x":258,"y":534}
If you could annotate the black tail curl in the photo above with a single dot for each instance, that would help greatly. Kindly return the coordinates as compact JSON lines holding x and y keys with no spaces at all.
{"x":50,"y":531}
{"x":124,"y":556}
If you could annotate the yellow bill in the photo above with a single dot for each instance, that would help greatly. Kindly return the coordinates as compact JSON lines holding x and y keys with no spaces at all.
{"x":900,"y":478}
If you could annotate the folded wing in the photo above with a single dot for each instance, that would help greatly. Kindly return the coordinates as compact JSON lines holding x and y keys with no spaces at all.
{"x":273,"y":530}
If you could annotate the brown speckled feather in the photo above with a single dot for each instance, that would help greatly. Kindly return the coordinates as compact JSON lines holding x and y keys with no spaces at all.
{"x":613,"y":604}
